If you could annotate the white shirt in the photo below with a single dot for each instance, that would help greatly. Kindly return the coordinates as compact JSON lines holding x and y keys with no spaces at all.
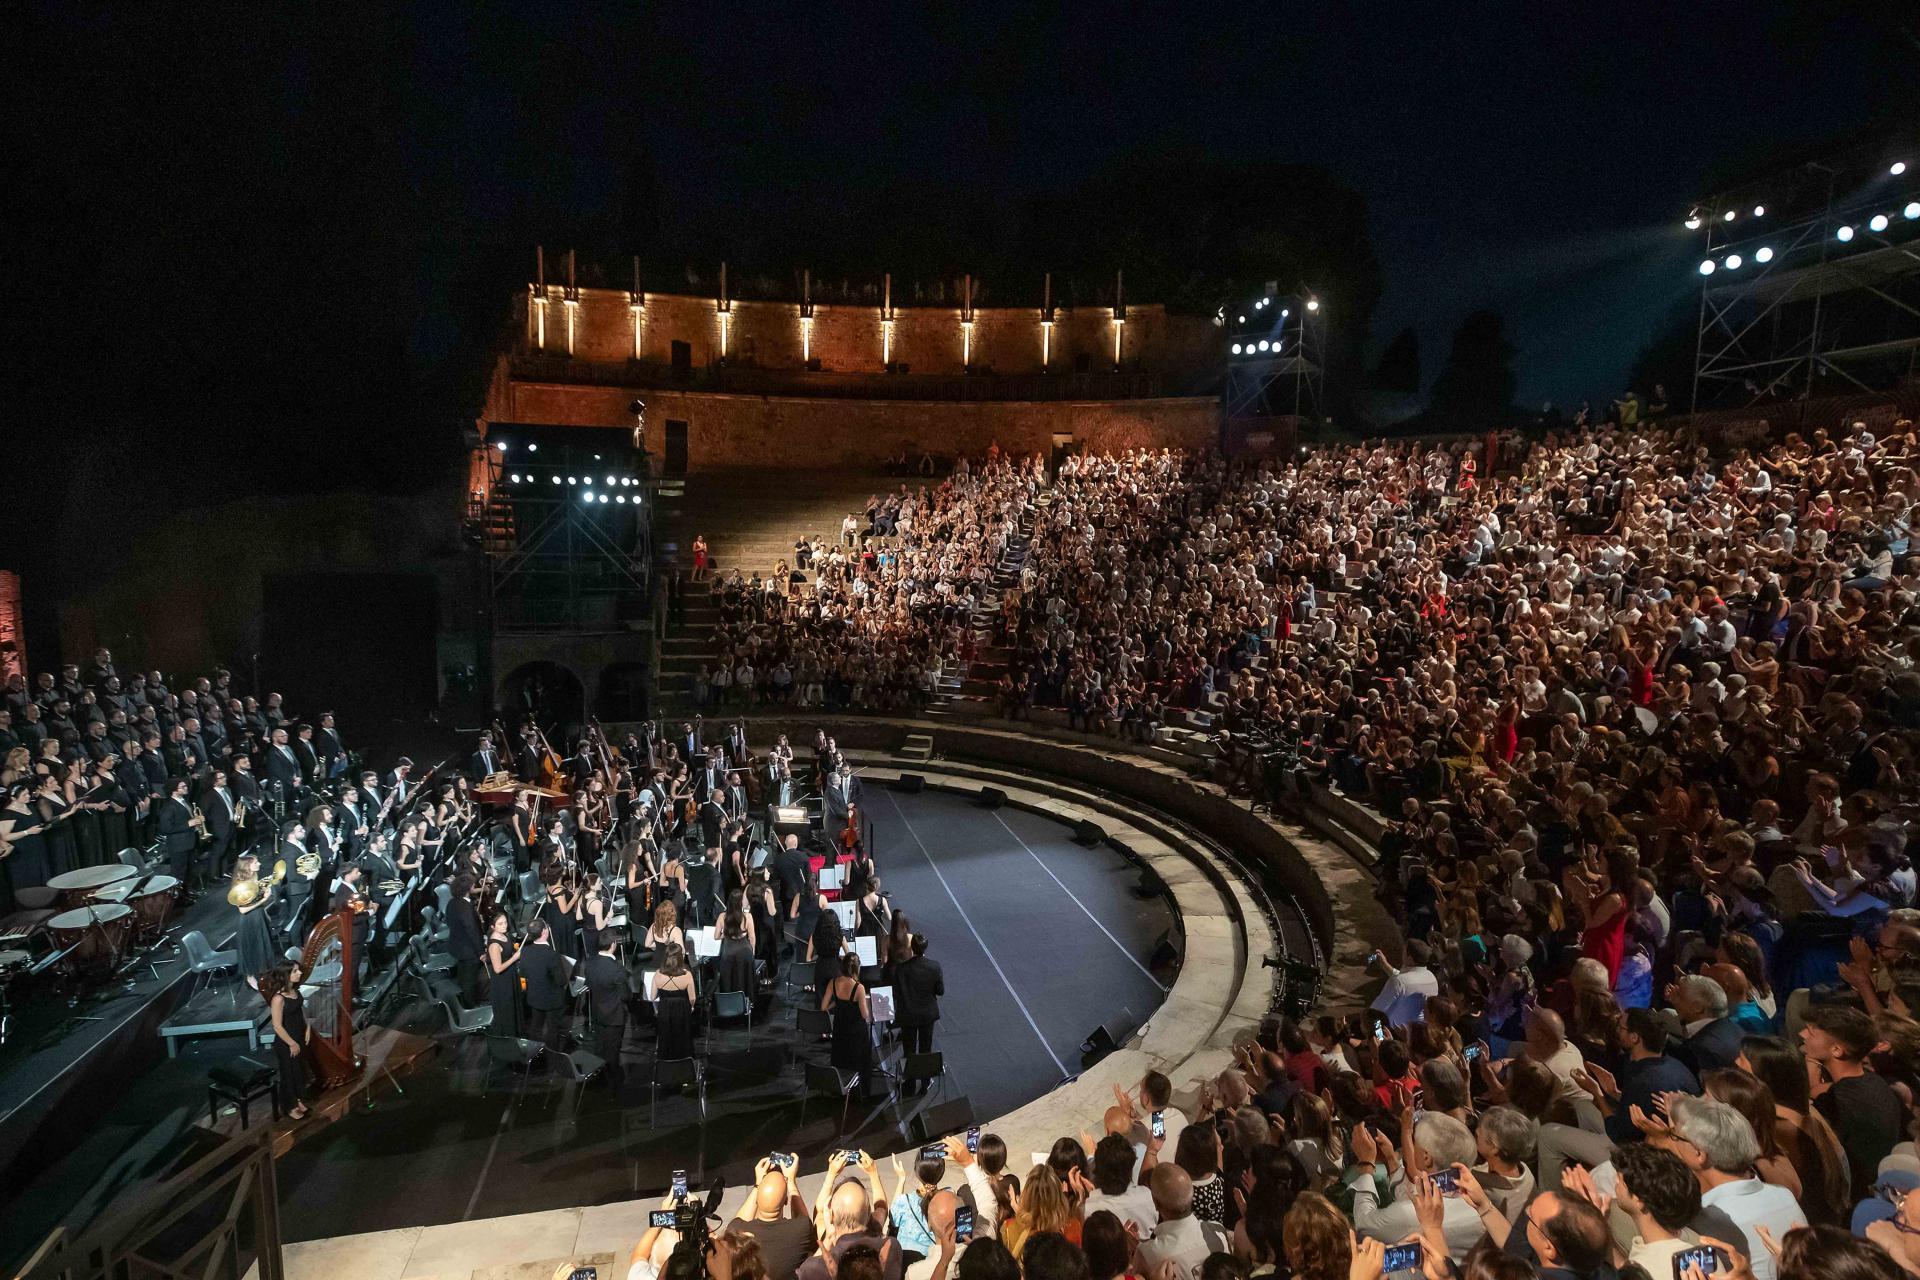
{"x":1404,"y":998}
{"x":1185,"y":1241}
{"x":1752,"y":1203}
{"x":1134,"y":1205}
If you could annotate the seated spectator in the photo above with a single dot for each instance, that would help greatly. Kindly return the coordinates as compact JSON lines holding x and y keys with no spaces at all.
{"x":1718,"y":1145}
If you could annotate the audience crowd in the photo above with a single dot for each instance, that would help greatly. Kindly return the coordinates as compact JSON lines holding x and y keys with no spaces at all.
{"x":1641,"y":719}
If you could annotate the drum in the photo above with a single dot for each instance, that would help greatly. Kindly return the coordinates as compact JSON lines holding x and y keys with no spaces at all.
{"x":97,"y":937}
{"x":112,"y":893}
{"x":77,"y":887}
{"x":154,"y":907}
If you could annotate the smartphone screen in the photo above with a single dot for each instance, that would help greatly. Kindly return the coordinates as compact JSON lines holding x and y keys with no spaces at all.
{"x":1473,"y":1053}
{"x":680,"y":1184}
{"x":1159,"y":1124}
{"x":1379,"y":1031}
{"x":787,"y":1160}
{"x":934,"y":1151}
{"x":1448,"y":1181}
{"x":973,"y":1139}
{"x":660,"y":1218}
{"x":1402,"y":1257}
{"x":962,"y":1224}
{"x":1706,"y":1257}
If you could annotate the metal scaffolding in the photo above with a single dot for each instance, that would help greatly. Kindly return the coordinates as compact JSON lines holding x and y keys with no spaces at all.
{"x":1276,"y":356}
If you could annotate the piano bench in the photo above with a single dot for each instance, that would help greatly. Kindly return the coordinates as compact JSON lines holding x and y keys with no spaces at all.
{"x":240,"y":1082}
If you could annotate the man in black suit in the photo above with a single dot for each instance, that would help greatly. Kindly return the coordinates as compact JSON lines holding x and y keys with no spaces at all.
{"x":220,"y":807}
{"x":132,"y":777}
{"x":526,"y":757}
{"x":307,"y":754}
{"x":466,"y":939}
{"x":545,"y":974}
{"x":179,"y":830}
{"x":485,"y":762}
{"x":348,"y":892}
{"x":246,"y":790}
{"x":607,"y":989}
{"x":1712,"y":1038}
{"x":331,"y":750}
{"x":790,"y":874}
{"x":283,"y":769}
{"x":918,"y":985}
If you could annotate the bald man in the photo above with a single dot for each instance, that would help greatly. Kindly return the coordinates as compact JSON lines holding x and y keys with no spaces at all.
{"x":1180,"y":1236}
{"x":777,"y":1217}
{"x":850,"y":1224}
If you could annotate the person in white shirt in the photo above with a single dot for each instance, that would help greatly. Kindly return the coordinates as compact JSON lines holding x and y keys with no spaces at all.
{"x":1718,"y":1144}
{"x":1655,"y":1189}
{"x":1404,"y":998}
{"x":1439,"y":1143}
{"x":1547,"y":1044}
{"x":1179,"y":1236}
{"x":1115,"y":1189}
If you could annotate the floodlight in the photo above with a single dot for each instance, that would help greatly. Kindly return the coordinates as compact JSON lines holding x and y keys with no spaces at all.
{"x":1759,"y":211}
{"x":1693,"y":223}
{"x":1763,"y":254}
{"x":1844,"y":234}
{"x":1733,"y":262}
{"x":1728,"y":216}
{"x":1878,"y":222}
{"x":1707,"y":266}
{"x":1313,"y":304}
{"x":502,"y":446}
{"x":1897,"y":168}
{"x":1236,"y":348}
{"x":1913,"y":210}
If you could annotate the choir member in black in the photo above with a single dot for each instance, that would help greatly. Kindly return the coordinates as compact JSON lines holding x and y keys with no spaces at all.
{"x":291,"y":1036}
{"x":545,"y":974}
{"x":560,"y":910}
{"x":102,"y":828}
{"x":283,"y":772}
{"x":845,"y":997}
{"x":179,"y":830}
{"x":825,"y":945}
{"x":596,"y":911}
{"x":607,"y":991}
{"x":349,"y":894}
{"x":220,"y":808}
{"x":132,"y":776}
{"x":464,"y":940}
{"x":673,"y":997}
{"x":23,"y":843}
{"x":56,"y":806}
{"x":520,"y":821}
{"x":251,"y":896}
{"x":736,"y":950}
{"x":766,"y":920}
{"x":332,"y":751}
{"x":503,"y":977}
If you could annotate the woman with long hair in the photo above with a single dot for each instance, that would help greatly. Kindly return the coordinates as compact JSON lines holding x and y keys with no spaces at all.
{"x":257,"y":954}
{"x":503,"y":979}
{"x":665,"y":930}
{"x":1043,"y":1207}
{"x":908,"y":1211}
{"x":673,"y":997}
{"x":1318,"y":1239}
{"x":845,"y":997}
{"x":291,"y":1036}
{"x":736,"y":949}
{"x":1803,"y":1135}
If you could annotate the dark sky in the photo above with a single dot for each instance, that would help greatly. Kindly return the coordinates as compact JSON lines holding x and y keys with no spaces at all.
{"x":1533,"y":157}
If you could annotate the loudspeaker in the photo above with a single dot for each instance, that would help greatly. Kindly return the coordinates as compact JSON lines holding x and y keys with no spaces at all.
{"x":992,"y":797}
{"x":1107,"y":1037}
{"x":1088,"y":833}
{"x":1150,"y":884}
{"x":911,"y":783}
{"x":935,"y":1123}
{"x":1165,"y":954}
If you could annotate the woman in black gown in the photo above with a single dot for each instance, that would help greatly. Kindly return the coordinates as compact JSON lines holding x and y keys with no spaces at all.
{"x":673,"y":994}
{"x":56,"y":806}
{"x":250,"y":897}
{"x":825,"y":946}
{"x":116,"y":830}
{"x":595,"y":913}
{"x":561,"y":911}
{"x":291,"y":1036}
{"x":23,"y":842}
{"x":846,"y":999}
{"x":766,"y":923}
{"x":504,"y":979}
{"x":736,"y":951}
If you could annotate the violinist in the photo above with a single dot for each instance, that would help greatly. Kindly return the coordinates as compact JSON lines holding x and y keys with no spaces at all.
{"x":520,"y":822}
{"x":409,"y":855}
{"x":713,"y":819}
{"x":596,"y":912}
{"x":673,"y":873}
{"x":561,"y":910}
{"x":860,"y":872}
{"x":592,"y":819}
{"x":780,"y":770}
{"x":733,"y":869}
{"x":640,"y":872}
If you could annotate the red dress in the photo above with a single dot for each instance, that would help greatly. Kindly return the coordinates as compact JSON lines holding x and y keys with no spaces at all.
{"x":1607,"y":942}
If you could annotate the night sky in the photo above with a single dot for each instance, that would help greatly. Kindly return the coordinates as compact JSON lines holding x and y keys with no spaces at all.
{"x":270,"y":222}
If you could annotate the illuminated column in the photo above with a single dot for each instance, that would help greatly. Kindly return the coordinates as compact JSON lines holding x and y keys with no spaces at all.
{"x":966,"y":325}
{"x":572,"y":301}
{"x":637,"y":306}
{"x":726,"y":311}
{"x":1119,"y":317}
{"x":806,"y":317}
{"x":537,"y":308}
{"x":886,"y":319}
{"x":1046,"y":326}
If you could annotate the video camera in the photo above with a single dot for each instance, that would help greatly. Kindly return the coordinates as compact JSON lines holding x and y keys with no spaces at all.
{"x":689,"y":1218}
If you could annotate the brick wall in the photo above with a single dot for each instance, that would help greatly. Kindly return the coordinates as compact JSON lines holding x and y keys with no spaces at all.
{"x":760,"y":431}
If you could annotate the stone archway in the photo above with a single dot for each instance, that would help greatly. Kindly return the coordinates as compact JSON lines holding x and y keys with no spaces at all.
{"x":550,"y":692}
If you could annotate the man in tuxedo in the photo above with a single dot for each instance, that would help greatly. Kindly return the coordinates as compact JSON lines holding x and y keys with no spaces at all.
{"x":179,"y":830}
{"x":841,"y":794}
{"x":308,"y":756}
{"x":546,"y":978}
{"x":131,"y":774}
{"x":284,"y":773}
{"x":690,"y":739}
{"x":182,"y":760}
{"x":327,"y":743}
{"x":401,"y":783}
{"x":918,"y":985}
{"x":348,"y":892}
{"x":355,"y":821}
{"x":466,"y":938}
{"x":485,"y":762}
{"x":607,"y":991}
{"x":790,"y":876}
{"x":298,"y":892}
{"x":220,"y":808}
{"x":736,"y":797}
{"x":246,"y":790}
{"x":372,"y":799}
{"x":526,"y":757}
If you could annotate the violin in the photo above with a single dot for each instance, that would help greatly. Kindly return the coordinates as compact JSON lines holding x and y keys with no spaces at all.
{"x":850,"y":834}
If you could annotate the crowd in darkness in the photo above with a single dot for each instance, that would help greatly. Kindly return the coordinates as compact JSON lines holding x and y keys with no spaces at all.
{"x":1640,"y":717}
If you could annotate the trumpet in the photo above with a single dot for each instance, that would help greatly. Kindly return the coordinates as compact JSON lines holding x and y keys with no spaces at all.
{"x":196,"y":820}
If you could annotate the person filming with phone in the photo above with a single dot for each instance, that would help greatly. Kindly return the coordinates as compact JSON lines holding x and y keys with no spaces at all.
{"x":776,"y":1216}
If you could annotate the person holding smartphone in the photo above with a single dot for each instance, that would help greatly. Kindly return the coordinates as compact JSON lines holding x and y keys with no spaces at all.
{"x":777,"y":1217}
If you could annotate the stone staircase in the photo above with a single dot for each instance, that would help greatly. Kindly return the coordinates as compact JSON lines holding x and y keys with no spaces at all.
{"x":969,"y":689}
{"x":750,"y":519}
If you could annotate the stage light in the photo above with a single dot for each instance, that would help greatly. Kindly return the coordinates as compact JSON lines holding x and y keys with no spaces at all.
{"x":1693,"y":223}
{"x":620,"y":498}
{"x":1241,"y":320}
{"x":1313,"y":304}
{"x":1759,"y":211}
{"x":502,"y":446}
{"x":1912,"y":211}
{"x":1284,"y":313}
{"x":1263,"y":344}
{"x":1897,"y":168}
{"x":1728,"y":216}
{"x":1236,"y":348}
{"x":587,"y":498}
{"x":515,"y":477}
{"x":573,"y":479}
{"x":533,"y":448}
{"x":556,"y":479}
{"x":1763,"y":254}
{"x":1844,"y":234}
{"x":609,"y":482}
{"x":1878,"y":222}
{"x":1707,"y":266}
{"x":588,"y":482}
{"x":1733,"y":262}
{"x":603,"y":497}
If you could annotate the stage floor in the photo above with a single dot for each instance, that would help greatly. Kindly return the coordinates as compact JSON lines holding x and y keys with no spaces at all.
{"x":1040,"y":940}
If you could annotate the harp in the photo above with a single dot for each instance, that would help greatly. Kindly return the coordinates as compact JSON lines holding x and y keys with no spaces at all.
{"x":328,"y":962}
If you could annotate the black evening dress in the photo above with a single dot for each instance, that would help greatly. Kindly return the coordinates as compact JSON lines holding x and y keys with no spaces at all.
{"x":852,"y":1038}
{"x":292,"y":1084}
{"x":256,"y":943}
{"x":505,"y":994}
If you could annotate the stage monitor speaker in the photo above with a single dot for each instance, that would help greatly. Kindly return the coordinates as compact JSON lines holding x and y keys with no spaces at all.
{"x":1088,"y":833}
{"x":1150,"y":884}
{"x":911,"y":783}
{"x":950,"y":1117}
{"x":1107,"y":1037}
{"x":992,"y":797}
{"x":1165,"y":954}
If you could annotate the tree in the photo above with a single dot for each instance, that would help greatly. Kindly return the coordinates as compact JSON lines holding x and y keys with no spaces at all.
{"x":1475,"y":388}
{"x":1399,"y":367}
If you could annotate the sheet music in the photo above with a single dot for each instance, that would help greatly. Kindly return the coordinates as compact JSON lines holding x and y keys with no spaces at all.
{"x":849,"y":913}
{"x":650,"y":975}
{"x":868,"y":949}
{"x":880,"y":999}
{"x":706,"y":942}
{"x":833,"y":877}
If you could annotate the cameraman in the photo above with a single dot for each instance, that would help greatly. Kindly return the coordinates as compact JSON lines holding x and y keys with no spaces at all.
{"x":682,"y":1261}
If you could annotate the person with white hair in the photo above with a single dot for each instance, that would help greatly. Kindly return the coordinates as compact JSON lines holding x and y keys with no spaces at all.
{"x":1719,"y":1145}
{"x":1440,"y":1143}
